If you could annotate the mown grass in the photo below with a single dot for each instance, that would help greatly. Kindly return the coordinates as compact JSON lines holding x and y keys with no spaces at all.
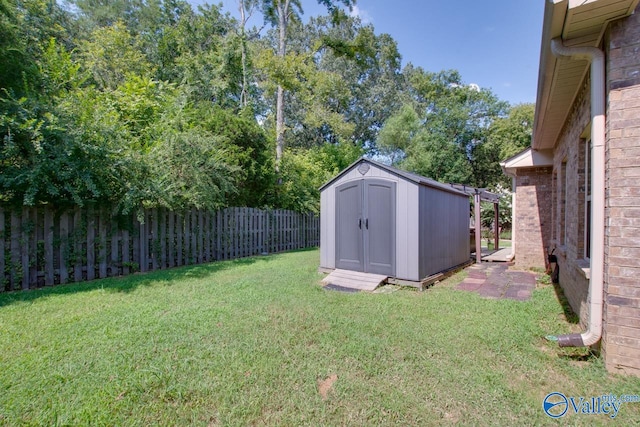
{"x":247,"y":342}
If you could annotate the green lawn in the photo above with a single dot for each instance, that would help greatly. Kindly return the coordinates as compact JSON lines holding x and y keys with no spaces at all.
{"x":248,"y":342}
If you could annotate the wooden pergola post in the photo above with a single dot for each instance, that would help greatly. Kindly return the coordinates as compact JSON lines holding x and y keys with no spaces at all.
{"x":476,"y":211}
{"x":496,"y":228}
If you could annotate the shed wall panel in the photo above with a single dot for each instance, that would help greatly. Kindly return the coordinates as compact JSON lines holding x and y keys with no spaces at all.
{"x":407,"y":227}
{"x":444,"y":231}
{"x":328,"y":228}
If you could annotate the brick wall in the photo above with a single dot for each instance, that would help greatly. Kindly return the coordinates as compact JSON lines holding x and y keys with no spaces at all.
{"x":621,"y":338}
{"x":568,"y":205}
{"x":533,"y":216}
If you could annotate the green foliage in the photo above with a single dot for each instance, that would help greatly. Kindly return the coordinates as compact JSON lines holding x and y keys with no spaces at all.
{"x":399,"y":132}
{"x":190,"y":171}
{"x":444,"y":129}
{"x":504,"y":209}
{"x":507,"y":137}
{"x":142,"y":103}
{"x":248,"y":151}
{"x":303,"y":172}
{"x":111,"y":54}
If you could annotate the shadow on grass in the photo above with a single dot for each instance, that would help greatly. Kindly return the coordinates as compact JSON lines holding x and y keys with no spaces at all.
{"x":569,"y":314}
{"x":130,"y":283}
{"x":586,"y":355}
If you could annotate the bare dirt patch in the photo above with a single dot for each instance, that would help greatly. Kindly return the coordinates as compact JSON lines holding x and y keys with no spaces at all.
{"x":324,"y":386}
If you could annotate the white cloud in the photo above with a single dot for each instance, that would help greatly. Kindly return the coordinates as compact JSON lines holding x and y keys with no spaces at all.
{"x":474,"y":86}
{"x":364,"y":16}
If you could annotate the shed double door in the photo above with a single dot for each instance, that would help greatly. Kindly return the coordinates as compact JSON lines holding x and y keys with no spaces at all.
{"x":365,"y":226}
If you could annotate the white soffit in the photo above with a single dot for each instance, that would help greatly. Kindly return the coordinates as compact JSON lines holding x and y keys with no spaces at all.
{"x":579,"y":23}
{"x":528,"y":159}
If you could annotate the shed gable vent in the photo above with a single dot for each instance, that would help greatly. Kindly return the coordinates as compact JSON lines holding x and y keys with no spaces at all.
{"x":363,"y":168}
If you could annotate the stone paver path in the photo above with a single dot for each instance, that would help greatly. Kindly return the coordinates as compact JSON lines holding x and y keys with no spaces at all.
{"x":495,"y":280}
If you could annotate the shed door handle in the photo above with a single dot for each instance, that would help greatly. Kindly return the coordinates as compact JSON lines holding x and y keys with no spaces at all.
{"x":360,"y":223}
{"x":366,"y":223}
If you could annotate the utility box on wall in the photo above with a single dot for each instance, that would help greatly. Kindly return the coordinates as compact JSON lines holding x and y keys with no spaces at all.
{"x":378,"y":219}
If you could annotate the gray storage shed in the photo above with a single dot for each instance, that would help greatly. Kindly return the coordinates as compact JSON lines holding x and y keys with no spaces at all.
{"x":378,"y":219}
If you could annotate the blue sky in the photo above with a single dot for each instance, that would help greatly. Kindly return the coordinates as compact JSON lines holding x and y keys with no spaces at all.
{"x":494,"y":44}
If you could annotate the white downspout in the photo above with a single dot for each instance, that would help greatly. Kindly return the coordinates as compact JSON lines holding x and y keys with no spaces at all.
{"x":596,"y":283}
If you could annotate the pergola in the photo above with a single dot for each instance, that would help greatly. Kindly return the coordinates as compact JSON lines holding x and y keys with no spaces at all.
{"x":481,"y":194}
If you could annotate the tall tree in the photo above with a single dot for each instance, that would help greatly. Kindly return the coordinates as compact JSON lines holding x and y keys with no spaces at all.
{"x":368,"y":67}
{"x":507,"y":136}
{"x":246,"y":9}
{"x":452,"y":122}
{"x":280,"y":13}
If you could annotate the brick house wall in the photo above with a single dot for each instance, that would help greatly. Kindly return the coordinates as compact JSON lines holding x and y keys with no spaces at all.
{"x":569,"y":207}
{"x":532,"y":226}
{"x":553,"y":203}
{"x":621,"y":332}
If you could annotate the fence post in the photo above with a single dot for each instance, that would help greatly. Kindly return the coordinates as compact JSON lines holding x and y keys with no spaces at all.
{"x":171,"y":238}
{"x":2,"y":240}
{"x":200,"y":241}
{"x":24,"y":253}
{"x":144,"y":243}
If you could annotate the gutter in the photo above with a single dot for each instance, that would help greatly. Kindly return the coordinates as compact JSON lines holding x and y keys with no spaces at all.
{"x":596,"y":283}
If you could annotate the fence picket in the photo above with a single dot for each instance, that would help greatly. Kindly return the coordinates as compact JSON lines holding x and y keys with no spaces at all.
{"x":194,"y":237}
{"x":126,"y":258}
{"x":171,"y":255}
{"x":162,"y":235}
{"x":91,"y":244}
{"x":33,"y":232}
{"x":3,"y":286}
{"x":179,"y":238}
{"x":116,"y":241}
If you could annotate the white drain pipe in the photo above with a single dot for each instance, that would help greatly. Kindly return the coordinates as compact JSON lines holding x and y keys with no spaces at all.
{"x":596,"y":283}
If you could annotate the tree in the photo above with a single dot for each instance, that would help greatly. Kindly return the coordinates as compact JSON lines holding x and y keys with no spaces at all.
{"x":506,"y":137}
{"x":304,"y":171}
{"x":246,"y":9}
{"x":280,"y":13}
{"x":450,"y":124}
{"x":112,"y":53}
{"x":359,"y":81}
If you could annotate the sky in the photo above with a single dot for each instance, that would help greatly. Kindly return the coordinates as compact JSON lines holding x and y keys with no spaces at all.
{"x":494,"y":44}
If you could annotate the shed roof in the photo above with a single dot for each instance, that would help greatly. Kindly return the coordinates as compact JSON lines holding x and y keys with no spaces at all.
{"x":418,"y":179}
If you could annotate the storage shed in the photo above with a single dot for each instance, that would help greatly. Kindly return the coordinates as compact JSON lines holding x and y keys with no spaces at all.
{"x":378,"y":219}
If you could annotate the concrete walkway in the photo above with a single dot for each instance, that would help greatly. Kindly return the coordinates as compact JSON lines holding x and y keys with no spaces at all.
{"x":495,"y":280}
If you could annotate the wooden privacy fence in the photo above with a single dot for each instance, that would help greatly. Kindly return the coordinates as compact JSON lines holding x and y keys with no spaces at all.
{"x":43,"y":246}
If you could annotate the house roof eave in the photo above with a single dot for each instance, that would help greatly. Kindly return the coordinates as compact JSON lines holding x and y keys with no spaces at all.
{"x":578,"y":23}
